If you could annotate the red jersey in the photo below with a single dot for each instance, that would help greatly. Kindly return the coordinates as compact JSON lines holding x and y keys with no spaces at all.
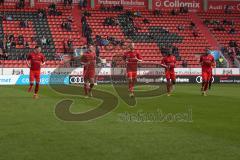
{"x":207,"y":62}
{"x":36,"y":59}
{"x":131,"y":58}
{"x":170,"y":62}
{"x":89,"y":60}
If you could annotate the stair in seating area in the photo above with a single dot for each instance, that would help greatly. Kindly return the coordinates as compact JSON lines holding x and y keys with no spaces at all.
{"x":210,"y":38}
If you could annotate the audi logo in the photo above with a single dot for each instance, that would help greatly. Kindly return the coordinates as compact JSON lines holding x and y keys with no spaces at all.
{"x":75,"y":79}
{"x":199,"y":79}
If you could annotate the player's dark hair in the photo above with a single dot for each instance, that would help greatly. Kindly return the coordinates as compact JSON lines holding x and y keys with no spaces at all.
{"x":37,"y":46}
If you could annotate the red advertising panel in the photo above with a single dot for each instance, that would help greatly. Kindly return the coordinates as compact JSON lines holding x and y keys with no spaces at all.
{"x":193,"y":5}
{"x":221,"y":5}
{"x":13,"y":2}
{"x":138,"y":4}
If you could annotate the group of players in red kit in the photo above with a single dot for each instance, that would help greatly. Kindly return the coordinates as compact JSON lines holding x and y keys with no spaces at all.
{"x":36,"y":59}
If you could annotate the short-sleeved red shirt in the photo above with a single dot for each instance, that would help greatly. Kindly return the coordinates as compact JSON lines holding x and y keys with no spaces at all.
{"x":207,"y":62}
{"x":131,"y":58}
{"x":36,"y":59}
{"x":89,"y":60}
{"x":170,"y":62}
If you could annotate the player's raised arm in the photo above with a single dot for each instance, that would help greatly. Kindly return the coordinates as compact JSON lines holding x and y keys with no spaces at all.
{"x":139,"y":57}
{"x":213,"y":63}
{"x":29,"y":57}
{"x":43,"y":60}
{"x":83,"y":59}
{"x":163,"y":64}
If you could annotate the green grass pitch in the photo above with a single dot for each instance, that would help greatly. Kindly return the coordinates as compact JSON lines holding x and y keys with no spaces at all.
{"x":29,"y":129}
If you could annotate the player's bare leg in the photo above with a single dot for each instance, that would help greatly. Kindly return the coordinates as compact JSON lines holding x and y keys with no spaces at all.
{"x":130,"y":87}
{"x":169,"y":88}
{"x":91,"y":87}
{"x":86,"y":88}
{"x":35,"y":96}
{"x":173,"y":85}
{"x":204,"y":88}
{"x":30,"y":87}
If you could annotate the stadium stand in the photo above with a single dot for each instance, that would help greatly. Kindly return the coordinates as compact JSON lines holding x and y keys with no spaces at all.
{"x":225,"y":27}
{"x":151,"y":38}
{"x":154,"y":34}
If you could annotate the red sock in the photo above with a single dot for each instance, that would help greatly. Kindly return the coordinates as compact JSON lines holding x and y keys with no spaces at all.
{"x":203,"y":85}
{"x":130,"y":86}
{"x":36,"y":88}
{"x":168,"y":86}
{"x":85,"y":89}
{"x":206,"y":86}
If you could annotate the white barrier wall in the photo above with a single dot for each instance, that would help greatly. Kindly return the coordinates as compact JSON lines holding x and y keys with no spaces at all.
{"x":118,"y":71}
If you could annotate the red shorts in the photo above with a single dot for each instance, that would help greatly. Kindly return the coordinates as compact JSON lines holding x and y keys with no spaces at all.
{"x":89,"y":74}
{"x":34,"y":75}
{"x":132,"y":74}
{"x":170,"y":75}
{"x":206,"y":76}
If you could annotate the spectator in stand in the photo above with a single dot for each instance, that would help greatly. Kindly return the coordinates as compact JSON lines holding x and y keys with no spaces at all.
{"x":184,"y":63}
{"x":195,"y":33}
{"x":24,"y":23}
{"x":1,"y":2}
{"x":70,"y":43}
{"x":114,"y":64}
{"x":146,"y":21}
{"x":84,"y":24}
{"x":174,"y":12}
{"x":53,"y":10}
{"x":137,"y":14}
{"x":192,"y":25}
{"x":26,"y":45}
{"x":20,"y":4}
{"x":180,"y":28}
{"x":1,"y":44}
{"x":231,"y":53}
{"x":227,"y":10}
{"x":84,"y":3}
{"x":220,"y":62}
{"x":98,"y":40}
{"x":67,"y":25}
{"x":219,"y":28}
{"x":206,"y":22}
{"x":81,"y":4}
{"x":9,"y":18}
{"x":157,"y":13}
{"x":102,"y":7}
{"x":8,"y":44}
{"x":3,"y":54}
{"x":10,"y":37}
{"x":238,"y":52}
{"x":233,"y":43}
{"x":175,"y":52}
{"x":13,"y":44}
{"x":20,"y":39}
{"x":185,"y":9}
{"x":181,"y":10}
{"x":232,"y":31}
{"x":104,"y":42}
{"x":41,"y":13}
{"x":70,"y":2}
{"x":43,"y":40}
{"x":65,"y":2}
{"x":97,"y":51}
